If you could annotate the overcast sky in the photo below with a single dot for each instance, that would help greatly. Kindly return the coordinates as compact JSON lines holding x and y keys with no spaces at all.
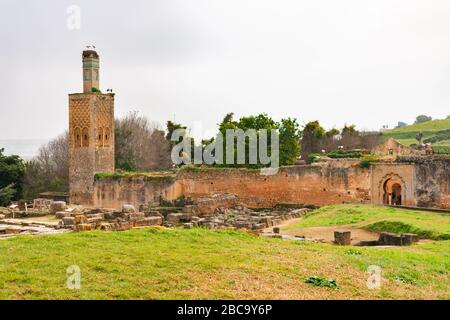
{"x":345,"y":61}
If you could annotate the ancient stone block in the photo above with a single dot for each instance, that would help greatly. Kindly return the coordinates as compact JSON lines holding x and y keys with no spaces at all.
{"x":68,"y":221}
{"x":109,"y":215}
{"x":80,"y":218}
{"x":185,"y":217}
{"x":95,"y":215}
{"x":61,"y":214}
{"x":83,"y":227}
{"x":409,"y":238}
{"x":128,"y":208}
{"x":188,"y":225}
{"x":342,"y":238}
{"x":94,"y":220}
{"x":106,"y":226}
{"x":123,"y":225}
{"x":390,"y":239}
{"x":174,"y":218}
{"x":56,"y":206}
{"x":136,"y":216}
{"x":90,"y":211}
{"x":2,"y":216}
{"x":153,"y":213}
{"x":149,"y":221}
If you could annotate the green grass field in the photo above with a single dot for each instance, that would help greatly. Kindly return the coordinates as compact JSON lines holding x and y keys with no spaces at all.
{"x":158,"y":263}
{"x":430,"y":129}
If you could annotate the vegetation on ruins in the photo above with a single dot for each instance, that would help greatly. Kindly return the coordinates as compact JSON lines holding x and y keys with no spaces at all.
{"x":160,"y":263}
{"x":12,"y":170}
{"x":436,"y":132}
{"x":147,"y":176}
{"x":334,"y":143}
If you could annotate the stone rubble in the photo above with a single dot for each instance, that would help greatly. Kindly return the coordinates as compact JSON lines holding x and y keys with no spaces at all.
{"x":220,"y":211}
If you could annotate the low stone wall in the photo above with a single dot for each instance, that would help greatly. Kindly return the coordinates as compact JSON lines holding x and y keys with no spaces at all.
{"x":137,"y":191}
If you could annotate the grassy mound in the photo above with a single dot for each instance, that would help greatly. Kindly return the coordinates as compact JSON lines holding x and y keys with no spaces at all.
{"x":428,"y":225}
{"x":437,"y":131}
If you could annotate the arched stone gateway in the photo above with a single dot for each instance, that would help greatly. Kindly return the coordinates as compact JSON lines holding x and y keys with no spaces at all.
{"x":393,"y":191}
{"x":393,"y":184}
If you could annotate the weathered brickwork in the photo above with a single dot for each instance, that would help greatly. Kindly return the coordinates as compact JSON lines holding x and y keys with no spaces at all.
{"x":333,"y":182}
{"x":422,"y":184}
{"x":432,"y":180}
{"x":91,"y":142}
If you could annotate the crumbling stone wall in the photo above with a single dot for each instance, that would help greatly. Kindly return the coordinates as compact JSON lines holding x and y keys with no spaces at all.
{"x":425,"y":182}
{"x":139,"y":190}
{"x":325,"y":183}
{"x":432,"y":180}
{"x":320,"y":184}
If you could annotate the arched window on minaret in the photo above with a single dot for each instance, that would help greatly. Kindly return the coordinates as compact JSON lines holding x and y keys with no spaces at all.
{"x":107,"y":137}
{"x":77,"y":137}
{"x":85,"y":137}
{"x":99,"y":137}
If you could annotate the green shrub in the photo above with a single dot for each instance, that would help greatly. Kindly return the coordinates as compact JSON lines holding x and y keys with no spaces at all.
{"x":321,"y":282}
{"x":400,"y":227}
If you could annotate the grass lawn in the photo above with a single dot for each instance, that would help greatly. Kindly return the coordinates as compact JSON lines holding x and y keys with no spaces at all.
{"x":158,"y":263}
{"x":428,"y":225}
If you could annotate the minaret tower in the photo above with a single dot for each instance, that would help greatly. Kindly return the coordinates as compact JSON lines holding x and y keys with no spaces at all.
{"x":91,"y":64}
{"x":91,"y":133}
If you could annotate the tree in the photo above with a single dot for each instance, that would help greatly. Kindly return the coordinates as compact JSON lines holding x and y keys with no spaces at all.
{"x":49,"y":170}
{"x":171,"y":127}
{"x":448,"y":117}
{"x":140,"y":144}
{"x":257,"y":123}
{"x":349,"y":131}
{"x":332,"y":133}
{"x":312,"y":136}
{"x":12,"y":170}
{"x":423,"y":118}
{"x":289,"y":141}
{"x":401,"y":124}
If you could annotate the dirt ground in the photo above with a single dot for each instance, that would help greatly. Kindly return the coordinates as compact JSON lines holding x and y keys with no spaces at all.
{"x":326,"y":234}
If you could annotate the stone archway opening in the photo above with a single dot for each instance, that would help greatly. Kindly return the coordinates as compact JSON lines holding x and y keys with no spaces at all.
{"x":392,"y":192}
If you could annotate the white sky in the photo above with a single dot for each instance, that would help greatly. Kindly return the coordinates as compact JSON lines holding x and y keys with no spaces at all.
{"x":360,"y":62}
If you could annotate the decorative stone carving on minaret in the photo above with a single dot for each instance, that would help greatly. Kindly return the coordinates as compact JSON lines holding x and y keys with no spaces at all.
{"x":91,"y":65}
{"x":91,"y":133}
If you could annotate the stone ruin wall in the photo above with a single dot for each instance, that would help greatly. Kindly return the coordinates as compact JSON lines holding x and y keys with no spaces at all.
{"x":326,"y":183}
{"x":432,"y":180}
{"x":137,"y":191}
